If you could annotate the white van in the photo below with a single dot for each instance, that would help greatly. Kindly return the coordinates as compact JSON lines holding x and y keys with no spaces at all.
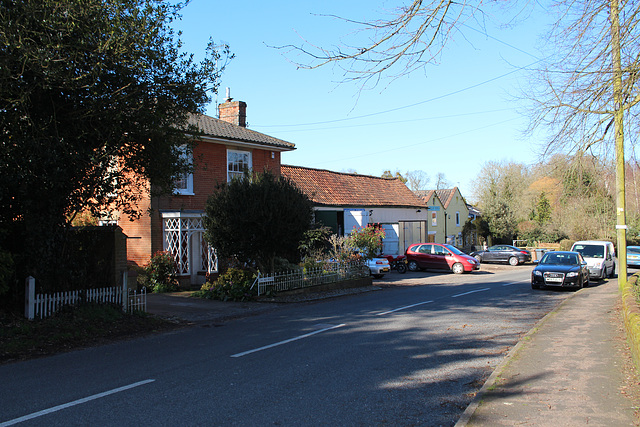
{"x":599,"y":255}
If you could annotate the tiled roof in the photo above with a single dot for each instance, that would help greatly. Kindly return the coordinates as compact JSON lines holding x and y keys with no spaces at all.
{"x":425,"y":195}
{"x":217,"y":128}
{"x":446,"y":195}
{"x":328,"y":188}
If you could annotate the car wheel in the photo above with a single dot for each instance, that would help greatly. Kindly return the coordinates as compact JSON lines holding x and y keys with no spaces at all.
{"x":412,"y":265}
{"x":603,"y":274}
{"x":586,"y":284}
{"x":533,"y":286}
{"x":457,"y":268}
{"x":478,"y":258}
{"x":613,"y":271}
{"x":514,"y":261}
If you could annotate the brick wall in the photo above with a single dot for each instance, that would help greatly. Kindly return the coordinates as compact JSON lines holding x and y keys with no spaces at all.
{"x":210,"y":162}
{"x":138,"y":232}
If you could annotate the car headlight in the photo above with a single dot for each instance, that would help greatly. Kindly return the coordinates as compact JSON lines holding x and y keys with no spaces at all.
{"x":572,"y":274}
{"x":537,"y":273}
{"x":471,"y":261}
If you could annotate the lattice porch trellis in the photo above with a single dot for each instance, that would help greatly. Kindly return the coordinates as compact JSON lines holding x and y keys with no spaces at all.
{"x":179,"y":231}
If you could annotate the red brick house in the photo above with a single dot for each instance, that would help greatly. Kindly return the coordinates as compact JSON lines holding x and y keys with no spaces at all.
{"x":174,"y":223}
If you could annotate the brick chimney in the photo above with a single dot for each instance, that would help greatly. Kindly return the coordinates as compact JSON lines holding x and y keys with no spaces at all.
{"x":233,"y":112}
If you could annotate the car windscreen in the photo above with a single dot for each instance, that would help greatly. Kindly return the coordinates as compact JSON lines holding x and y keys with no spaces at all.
{"x":454,"y":250}
{"x":590,"y":251}
{"x":559,"y":259}
{"x":633,"y":249}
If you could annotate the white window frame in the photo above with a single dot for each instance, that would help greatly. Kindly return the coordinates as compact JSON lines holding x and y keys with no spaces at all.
{"x":234,"y":173}
{"x":187,"y":190}
{"x":434,"y":218}
{"x":457,"y":219}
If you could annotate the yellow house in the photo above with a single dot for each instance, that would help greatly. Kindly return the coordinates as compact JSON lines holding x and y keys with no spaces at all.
{"x":435,"y":216}
{"x":455,"y":214}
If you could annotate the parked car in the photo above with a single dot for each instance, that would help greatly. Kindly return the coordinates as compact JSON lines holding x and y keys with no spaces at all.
{"x":378,"y":267}
{"x":562,"y":269}
{"x":599,"y":255}
{"x":438,"y":256}
{"x":633,"y":256}
{"x":503,"y":253}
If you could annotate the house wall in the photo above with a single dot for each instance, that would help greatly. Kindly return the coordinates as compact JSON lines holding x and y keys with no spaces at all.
{"x":434,"y":204}
{"x":393,"y":215}
{"x":210,"y":168}
{"x":138,"y":232}
{"x":457,"y":204}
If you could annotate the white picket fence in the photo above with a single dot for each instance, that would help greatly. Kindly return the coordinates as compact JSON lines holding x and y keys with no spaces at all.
{"x":44,"y":305}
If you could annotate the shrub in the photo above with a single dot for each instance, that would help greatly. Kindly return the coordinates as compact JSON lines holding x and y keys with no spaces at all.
{"x":282,"y":265}
{"x":233,"y":285}
{"x":159,"y":274}
{"x":6,"y":271}
{"x":367,"y":239}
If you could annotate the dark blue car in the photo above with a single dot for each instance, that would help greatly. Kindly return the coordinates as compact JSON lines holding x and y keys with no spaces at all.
{"x":561,"y":269}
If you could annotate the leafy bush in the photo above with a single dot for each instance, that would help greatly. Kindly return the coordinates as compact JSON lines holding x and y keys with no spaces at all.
{"x":282,"y":265}
{"x":233,"y":285}
{"x":159,"y":274}
{"x":315,"y":241}
{"x":367,"y":239}
{"x":6,"y":271}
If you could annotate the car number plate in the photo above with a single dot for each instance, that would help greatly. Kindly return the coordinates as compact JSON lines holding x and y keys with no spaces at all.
{"x":385,"y":269}
{"x":554,"y":279}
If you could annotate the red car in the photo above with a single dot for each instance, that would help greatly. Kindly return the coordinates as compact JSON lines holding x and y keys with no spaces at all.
{"x":437,"y":256}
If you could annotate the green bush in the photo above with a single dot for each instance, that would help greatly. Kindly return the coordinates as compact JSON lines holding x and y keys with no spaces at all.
{"x":159,"y":274}
{"x":233,"y":285}
{"x":282,"y":265}
{"x":367,"y":239}
{"x":6,"y":271}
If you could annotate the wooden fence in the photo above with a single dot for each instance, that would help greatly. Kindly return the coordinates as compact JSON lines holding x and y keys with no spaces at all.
{"x":44,"y":305}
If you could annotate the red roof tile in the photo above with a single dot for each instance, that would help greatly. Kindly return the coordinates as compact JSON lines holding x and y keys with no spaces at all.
{"x":328,"y":188}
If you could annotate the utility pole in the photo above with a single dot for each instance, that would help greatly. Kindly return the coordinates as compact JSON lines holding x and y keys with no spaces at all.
{"x":618,"y":117}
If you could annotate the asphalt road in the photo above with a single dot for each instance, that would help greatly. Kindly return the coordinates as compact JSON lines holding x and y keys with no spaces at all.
{"x":413,"y":354}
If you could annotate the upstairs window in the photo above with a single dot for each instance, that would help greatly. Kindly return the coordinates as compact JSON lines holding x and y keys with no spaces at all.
{"x":238,"y":162}
{"x":184,"y":183}
{"x":434,"y":219}
{"x":458,"y":219}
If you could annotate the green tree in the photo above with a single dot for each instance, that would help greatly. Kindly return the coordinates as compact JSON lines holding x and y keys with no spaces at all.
{"x":397,"y":174}
{"x":258,"y":218}
{"x":543,"y":210}
{"x":500,"y":190}
{"x":94,"y":101}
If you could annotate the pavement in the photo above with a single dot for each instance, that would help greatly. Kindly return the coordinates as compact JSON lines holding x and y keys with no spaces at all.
{"x":573,"y":368}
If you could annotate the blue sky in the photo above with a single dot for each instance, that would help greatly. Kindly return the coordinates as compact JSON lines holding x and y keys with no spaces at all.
{"x":449,"y":118}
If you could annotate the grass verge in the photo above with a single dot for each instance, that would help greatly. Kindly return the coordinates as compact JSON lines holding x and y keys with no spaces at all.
{"x":72,"y":328}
